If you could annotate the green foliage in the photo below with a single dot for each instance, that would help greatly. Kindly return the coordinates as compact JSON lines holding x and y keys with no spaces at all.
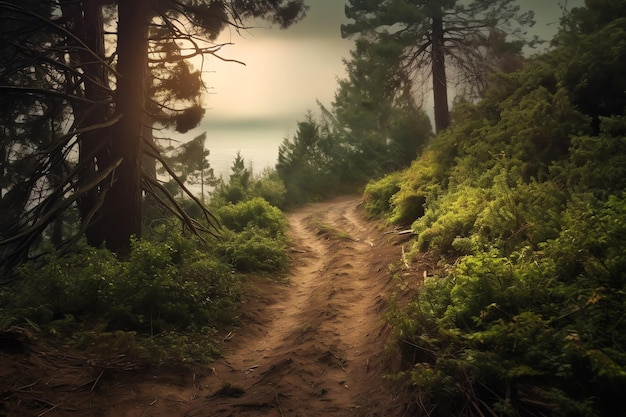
{"x":147,"y":306}
{"x":305,"y":163}
{"x":526,"y":193}
{"x":449,"y":218}
{"x":254,"y":238}
{"x":597,"y":163}
{"x":242,"y":185}
{"x":253,"y":249}
{"x":592,"y":49}
{"x":403,"y":195}
{"x":548,"y":320}
{"x":269,"y":187}
{"x":256,"y":212}
{"x":237,"y":187}
{"x":511,"y":218}
{"x":373,"y":127}
{"x":378,"y":194}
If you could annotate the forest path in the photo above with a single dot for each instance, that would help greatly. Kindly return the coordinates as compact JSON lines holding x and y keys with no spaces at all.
{"x":314,"y":347}
{"x":310,"y":347}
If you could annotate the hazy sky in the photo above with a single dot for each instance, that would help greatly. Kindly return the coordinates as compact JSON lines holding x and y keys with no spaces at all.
{"x":287,"y":70}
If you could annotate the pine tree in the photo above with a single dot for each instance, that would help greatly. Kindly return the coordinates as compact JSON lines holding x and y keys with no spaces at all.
{"x":104,"y":91}
{"x":442,"y":37}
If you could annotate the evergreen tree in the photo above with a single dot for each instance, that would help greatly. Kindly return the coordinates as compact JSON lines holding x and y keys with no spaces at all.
{"x":375,"y":113}
{"x":313,"y":164}
{"x":439,"y":35}
{"x":237,"y":189}
{"x":105,"y":94}
{"x":189,"y":162}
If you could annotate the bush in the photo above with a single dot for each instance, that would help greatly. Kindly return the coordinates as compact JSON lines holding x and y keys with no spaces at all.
{"x":417,"y":189}
{"x":253,"y":238}
{"x":256,"y":212}
{"x":378,"y":194}
{"x":451,"y":217}
{"x":58,"y":286}
{"x":252,"y":250}
{"x":546,"y":321}
{"x":270,"y":188}
{"x":165,"y":289}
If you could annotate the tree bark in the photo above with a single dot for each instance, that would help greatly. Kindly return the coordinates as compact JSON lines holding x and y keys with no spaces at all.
{"x":122,"y":204}
{"x":440,"y":84}
{"x":89,"y":27}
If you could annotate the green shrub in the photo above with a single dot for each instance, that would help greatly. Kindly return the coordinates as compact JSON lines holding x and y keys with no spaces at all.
{"x":546,"y":319}
{"x":417,"y":190}
{"x":378,"y":194}
{"x":449,"y":218}
{"x":253,"y":249}
{"x":163,"y":293}
{"x":257,"y":213}
{"x":77,"y":284}
{"x":270,"y":187}
{"x":520,"y":213}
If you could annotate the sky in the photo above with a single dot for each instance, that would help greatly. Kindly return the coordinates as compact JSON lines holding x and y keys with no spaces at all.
{"x":251,"y":108}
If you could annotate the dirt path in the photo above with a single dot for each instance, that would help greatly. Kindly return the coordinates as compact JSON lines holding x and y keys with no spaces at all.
{"x":313,"y":347}
{"x":320,"y":352}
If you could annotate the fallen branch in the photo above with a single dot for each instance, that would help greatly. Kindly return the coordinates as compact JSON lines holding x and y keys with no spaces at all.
{"x":404,"y":259}
{"x":338,"y":360}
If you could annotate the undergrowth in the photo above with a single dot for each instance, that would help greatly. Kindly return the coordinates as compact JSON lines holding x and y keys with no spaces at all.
{"x":166,"y":303}
{"x":529,"y":202}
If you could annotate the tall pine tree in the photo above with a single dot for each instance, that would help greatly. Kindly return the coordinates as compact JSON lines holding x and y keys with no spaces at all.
{"x":438,"y":36}
{"x":94,"y":57}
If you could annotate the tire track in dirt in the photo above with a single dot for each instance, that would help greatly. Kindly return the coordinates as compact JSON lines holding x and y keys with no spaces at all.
{"x":320,"y":354}
{"x":311,"y":348}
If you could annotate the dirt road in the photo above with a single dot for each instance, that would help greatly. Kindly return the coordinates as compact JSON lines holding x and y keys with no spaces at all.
{"x":317,"y":348}
{"x":311,"y":347}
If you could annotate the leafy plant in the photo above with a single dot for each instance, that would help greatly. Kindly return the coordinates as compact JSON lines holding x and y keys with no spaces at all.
{"x":166,"y":298}
{"x":254,"y":236}
{"x":255,"y":212}
{"x":527,"y":210}
{"x":253,"y":250}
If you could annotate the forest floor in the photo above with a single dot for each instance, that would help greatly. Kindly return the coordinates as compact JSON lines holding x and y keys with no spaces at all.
{"x":313,"y":345}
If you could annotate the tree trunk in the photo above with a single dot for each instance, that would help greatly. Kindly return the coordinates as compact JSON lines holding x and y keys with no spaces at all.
{"x":440,"y":84}
{"x":122,"y":204}
{"x":90,"y":26}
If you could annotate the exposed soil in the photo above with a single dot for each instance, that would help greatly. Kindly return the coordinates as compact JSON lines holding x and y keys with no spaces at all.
{"x":312,"y":347}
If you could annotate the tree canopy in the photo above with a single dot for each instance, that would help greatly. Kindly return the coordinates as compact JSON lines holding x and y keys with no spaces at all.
{"x":87,"y":81}
{"x":444,"y":38}
{"x":373,"y":126}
